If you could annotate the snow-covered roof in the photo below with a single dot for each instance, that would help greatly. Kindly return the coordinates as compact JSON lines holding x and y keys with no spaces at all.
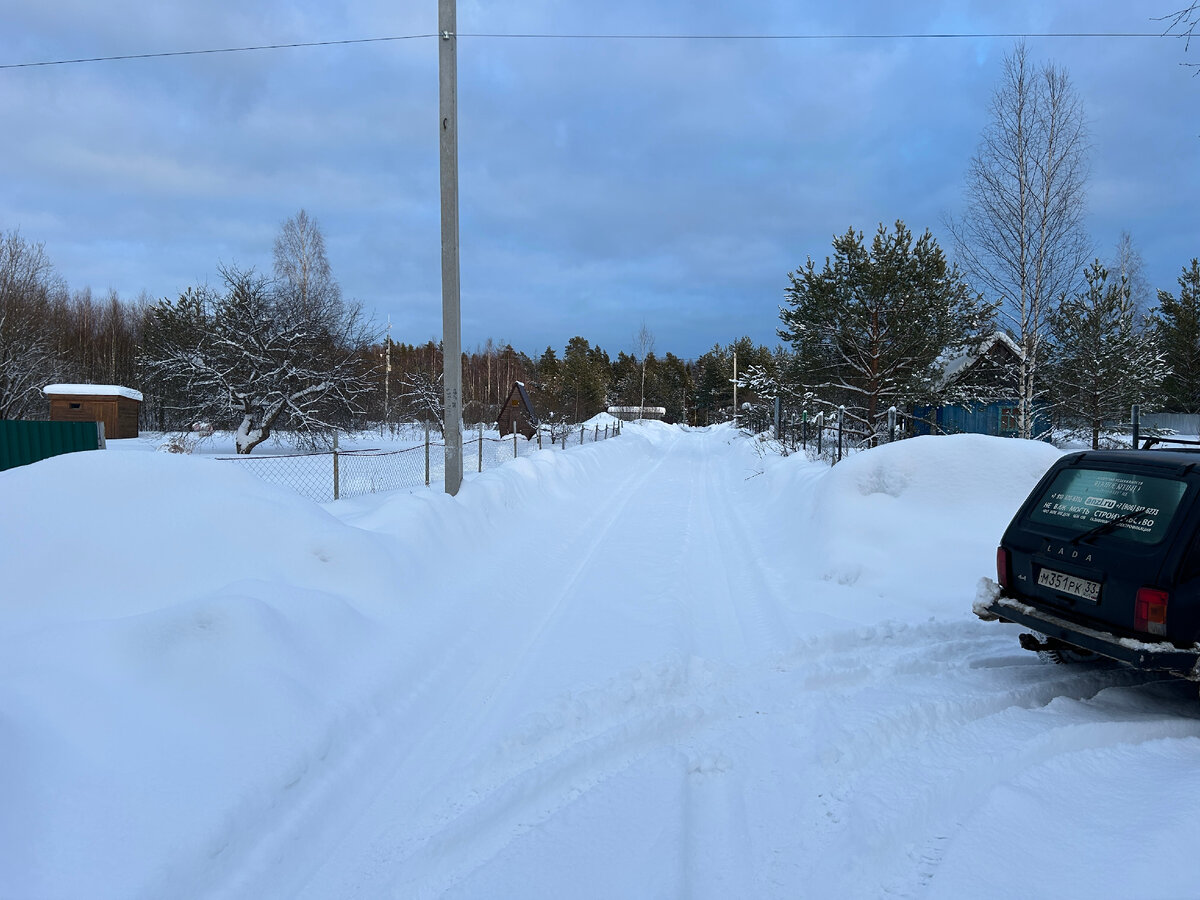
{"x":92,"y":390}
{"x":955,"y":366}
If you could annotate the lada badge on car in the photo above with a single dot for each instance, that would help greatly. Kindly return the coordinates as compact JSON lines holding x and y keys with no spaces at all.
{"x":1072,"y":553}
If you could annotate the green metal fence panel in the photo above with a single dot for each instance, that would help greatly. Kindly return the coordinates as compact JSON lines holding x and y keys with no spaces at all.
{"x":22,"y":443}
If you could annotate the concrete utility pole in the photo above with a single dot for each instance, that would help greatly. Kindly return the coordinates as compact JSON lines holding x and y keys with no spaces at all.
{"x":451,"y":316}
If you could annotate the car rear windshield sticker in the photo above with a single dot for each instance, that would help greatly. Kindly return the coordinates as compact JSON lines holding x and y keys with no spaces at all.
{"x":1140,"y":507}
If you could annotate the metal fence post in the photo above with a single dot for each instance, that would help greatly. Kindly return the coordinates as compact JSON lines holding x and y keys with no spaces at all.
{"x":514,"y":439}
{"x":1136,"y":415}
{"x":582,"y":428}
{"x":596,"y":436}
{"x":336,"y":485}
{"x":426,"y":454}
{"x":891,"y":424}
{"x":841,"y":417}
{"x":820,"y":423}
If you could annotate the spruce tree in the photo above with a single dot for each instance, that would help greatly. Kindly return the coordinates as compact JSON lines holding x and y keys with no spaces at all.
{"x":1180,"y":328}
{"x":1102,"y":362}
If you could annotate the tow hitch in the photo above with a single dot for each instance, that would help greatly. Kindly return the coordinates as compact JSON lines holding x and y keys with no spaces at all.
{"x":1031,"y":642}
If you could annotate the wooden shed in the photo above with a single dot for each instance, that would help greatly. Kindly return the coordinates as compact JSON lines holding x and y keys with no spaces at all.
{"x":115,"y":406}
{"x":517,"y":413}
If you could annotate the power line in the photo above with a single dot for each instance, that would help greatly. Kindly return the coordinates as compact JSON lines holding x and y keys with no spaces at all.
{"x":828,"y":37}
{"x":170,"y":53}
{"x":982,"y":35}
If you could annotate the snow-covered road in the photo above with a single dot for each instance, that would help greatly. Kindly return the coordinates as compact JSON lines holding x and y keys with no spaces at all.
{"x":647,"y":690}
{"x":661,"y":666}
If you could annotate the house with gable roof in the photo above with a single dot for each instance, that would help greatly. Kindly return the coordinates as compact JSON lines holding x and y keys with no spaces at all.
{"x":987,"y":381}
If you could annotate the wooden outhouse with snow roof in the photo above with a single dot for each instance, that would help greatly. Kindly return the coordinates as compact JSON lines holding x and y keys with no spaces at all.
{"x":117,"y":407}
{"x":517,"y":413}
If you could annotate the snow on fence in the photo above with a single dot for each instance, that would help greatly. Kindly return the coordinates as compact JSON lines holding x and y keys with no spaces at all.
{"x":821,"y":438}
{"x":330,"y":475}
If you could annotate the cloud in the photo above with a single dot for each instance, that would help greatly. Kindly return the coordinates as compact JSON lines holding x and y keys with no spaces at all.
{"x":601,"y":181}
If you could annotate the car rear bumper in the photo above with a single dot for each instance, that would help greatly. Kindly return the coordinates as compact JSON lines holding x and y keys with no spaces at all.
{"x":1155,"y":657}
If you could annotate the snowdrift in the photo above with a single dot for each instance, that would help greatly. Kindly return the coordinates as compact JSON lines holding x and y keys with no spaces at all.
{"x":183,"y":649}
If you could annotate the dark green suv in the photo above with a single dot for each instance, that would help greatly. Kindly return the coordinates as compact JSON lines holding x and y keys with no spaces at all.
{"x":1104,"y":558}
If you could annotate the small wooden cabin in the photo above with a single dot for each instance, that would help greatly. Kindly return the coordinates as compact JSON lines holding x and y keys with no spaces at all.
{"x":991,"y":374}
{"x":117,"y":407}
{"x":517,"y":413}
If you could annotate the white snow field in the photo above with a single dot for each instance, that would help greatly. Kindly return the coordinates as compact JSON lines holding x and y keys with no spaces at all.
{"x":659,"y":666}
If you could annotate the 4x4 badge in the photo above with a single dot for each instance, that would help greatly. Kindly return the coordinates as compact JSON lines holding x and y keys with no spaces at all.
{"x":1063,"y":553}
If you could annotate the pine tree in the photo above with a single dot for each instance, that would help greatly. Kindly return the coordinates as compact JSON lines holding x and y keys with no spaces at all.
{"x":674,"y":388}
{"x":1102,"y":362}
{"x":871,"y":328}
{"x":585,"y":373}
{"x":1180,"y":328}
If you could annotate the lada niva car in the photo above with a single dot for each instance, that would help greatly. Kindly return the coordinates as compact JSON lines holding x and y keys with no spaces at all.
{"x":1103,"y":558}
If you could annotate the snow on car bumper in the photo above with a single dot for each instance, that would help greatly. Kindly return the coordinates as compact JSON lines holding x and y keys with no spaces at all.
{"x":1152,"y":656}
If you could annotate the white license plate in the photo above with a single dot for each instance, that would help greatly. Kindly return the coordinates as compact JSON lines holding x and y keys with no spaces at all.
{"x":1069,"y":584}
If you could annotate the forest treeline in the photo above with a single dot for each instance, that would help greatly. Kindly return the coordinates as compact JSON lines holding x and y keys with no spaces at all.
{"x":49,"y":334}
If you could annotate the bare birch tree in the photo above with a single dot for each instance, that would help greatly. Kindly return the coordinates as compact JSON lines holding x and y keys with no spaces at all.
{"x":1129,"y":267}
{"x":28,"y":361}
{"x":643,"y":346}
{"x":1021,"y":239}
{"x":301,"y":263}
{"x":1182,"y":23}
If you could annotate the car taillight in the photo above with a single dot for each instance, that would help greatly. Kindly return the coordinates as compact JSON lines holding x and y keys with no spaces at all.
{"x":1150,"y":610}
{"x":1002,"y":567}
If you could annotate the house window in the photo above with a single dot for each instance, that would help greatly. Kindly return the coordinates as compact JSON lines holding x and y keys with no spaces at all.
{"x":75,"y":406}
{"x":1008,"y":418}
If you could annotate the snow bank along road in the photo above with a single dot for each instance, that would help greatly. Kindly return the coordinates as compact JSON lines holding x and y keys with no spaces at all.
{"x":667,"y":666}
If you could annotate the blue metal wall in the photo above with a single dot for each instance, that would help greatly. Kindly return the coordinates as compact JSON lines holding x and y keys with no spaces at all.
{"x":976,"y":418}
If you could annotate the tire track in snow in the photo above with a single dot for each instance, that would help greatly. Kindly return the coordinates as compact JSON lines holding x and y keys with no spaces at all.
{"x":850,"y":715}
{"x":438,"y":674}
{"x":755,"y":599}
{"x":468,"y":709}
{"x":900,"y":761}
{"x":715,"y":828}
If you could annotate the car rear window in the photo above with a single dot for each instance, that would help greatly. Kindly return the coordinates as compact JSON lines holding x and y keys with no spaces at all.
{"x":1084,"y":499}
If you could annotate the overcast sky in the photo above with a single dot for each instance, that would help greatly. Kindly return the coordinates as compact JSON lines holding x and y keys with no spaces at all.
{"x":604,"y":183}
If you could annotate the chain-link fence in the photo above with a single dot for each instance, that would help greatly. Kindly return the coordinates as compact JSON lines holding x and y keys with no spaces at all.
{"x":331,"y":475}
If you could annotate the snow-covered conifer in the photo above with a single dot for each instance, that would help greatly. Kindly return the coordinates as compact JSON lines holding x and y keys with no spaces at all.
{"x":1102,"y":362}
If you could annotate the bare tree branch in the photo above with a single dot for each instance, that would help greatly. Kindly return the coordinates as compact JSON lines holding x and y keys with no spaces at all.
{"x":1022,"y":239}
